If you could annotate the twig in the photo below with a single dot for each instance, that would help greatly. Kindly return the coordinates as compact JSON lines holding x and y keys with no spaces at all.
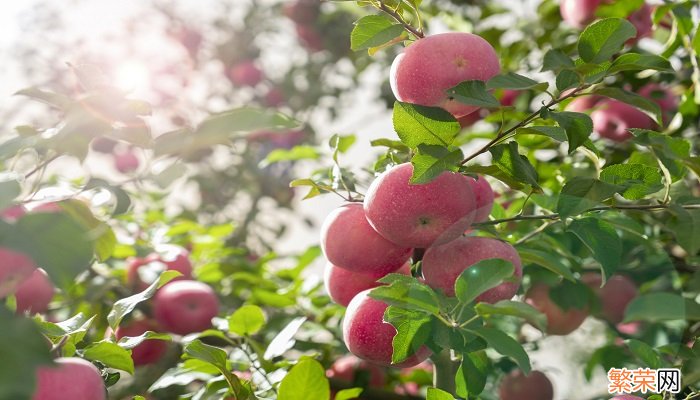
{"x":417,"y":33}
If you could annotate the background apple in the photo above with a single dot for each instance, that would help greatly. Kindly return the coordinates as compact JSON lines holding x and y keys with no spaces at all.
{"x":617,"y":293}
{"x":149,"y":351}
{"x":12,"y":213}
{"x":185,"y":306}
{"x":15,"y":268}
{"x":663,"y":96}
{"x":126,"y":161}
{"x":245,"y":73}
{"x":533,"y":386}
{"x":35,"y":294}
{"x":72,"y":378}
{"x":612,"y":119}
{"x":559,"y":322}
{"x":343,"y":284}
{"x":357,"y":372}
{"x":578,"y":13}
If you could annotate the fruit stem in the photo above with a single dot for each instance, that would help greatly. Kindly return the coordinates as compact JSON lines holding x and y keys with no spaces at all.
{"x":445,"y":369}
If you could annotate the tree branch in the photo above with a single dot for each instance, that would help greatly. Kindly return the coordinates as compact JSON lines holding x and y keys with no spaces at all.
{"x":415,"y":32}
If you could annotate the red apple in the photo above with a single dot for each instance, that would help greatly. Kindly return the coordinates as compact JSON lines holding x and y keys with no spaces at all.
{"x":245,"y":73}
{"x":469,"y":119}
{"x":663,"y":96}
{"x":419,"y":215}
{"x":142,"y":272}
{"x":12,"y":213}
{"x":348,"y":368}
{"x":35,"y":294}
{"x":509,"y":96}
{"x":349,"y":242}
{"x":434,"y":64}
{"x":578,"y":13}
{"x":149,"y":351}
{"x":617,"y":293}
{"x":310,"y":38}
{"x":442,"y":265}
{"x":184,"y":307}
{"x":367,"y":336}
{"x":641,"y":19}
{"x":15,"y":268}
{"x":559,"y":322}
{"x":518,"y":386}
{"x":613,"y":118}
{"x":274,"y":97}
{"x":72,"y":378}
{"x":303,"y":12}
{"x":343,"y":284}
{"x":126,"y":162}
{"x":583,"y":104}
{"x":484,"y":198}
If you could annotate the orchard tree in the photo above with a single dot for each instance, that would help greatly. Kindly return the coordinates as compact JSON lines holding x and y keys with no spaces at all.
{"x":544,"y":173}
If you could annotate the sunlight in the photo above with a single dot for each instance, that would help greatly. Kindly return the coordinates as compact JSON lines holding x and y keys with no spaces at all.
{"x":131,"y":75}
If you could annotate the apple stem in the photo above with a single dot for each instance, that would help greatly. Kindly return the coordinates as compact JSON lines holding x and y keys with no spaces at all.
{"x":445,"y":369}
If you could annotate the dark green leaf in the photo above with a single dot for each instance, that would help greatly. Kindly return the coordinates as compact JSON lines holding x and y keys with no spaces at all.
{"x":568,"y":295}
{"x":602,"y":240}
{"x":111,"y":355}
{"x":471,"y":374}
{"x":549,"y":260}
{"x":515,"y":309}
{"x":639,"y":62}
{"x":9,"y":189}
{"x":411,"y":334}
{"x":555,"y":132}
{"x":633,"y":99}
{"x":602,"y":39}
{"x":505,"y":345}
{"x":578,"y":127}
{"x":432,"y":160}
{"x":510,"y":161}
{"x":567,"y":79}
{"x":645,"y":353}
{"x":685,"y":225}
{"x":480,"y":277}
{"x":655,"y":307}
{"x":638,"y":180}
{"x":473,"y":93}
{"x":372,"y":31}
{"x":417,"y":125}
{"x":555,"y":60}
{"x":514,"y":81}
{"x":580,"y":194}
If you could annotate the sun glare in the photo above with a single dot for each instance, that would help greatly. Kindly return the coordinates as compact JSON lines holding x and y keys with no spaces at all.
{"x":131,"y":75}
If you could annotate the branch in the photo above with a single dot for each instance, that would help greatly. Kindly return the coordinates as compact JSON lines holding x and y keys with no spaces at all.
{"x":417,"y":33}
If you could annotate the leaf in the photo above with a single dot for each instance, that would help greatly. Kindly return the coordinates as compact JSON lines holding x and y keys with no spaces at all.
{"x":555,"y":132}
{"x":296,"y":153}
{"x":246,"y":321}
{"x":685,"y":225}
{"x":510,"y":161}
{"x":348,"y":394}
{"x":602,"y":39}
{"x":471,"y":374}
{"x":433,"y":160}
{"x":580,"y":194}
{"x":210,"y":354}
{"x":638,"y":180}
{"x":102,"y":236}
{"x":639,"y":62}
{"x":437,"y":394}
{"x":473,"y":93}
{"x":602,"y":240}
{"x":555,"y":60}
{"x":514,"y":309}
{"x":669,"y":150}
{"x":53,"y":99}
{"x":111,"y":355}
{"x":578,"y":127}
{"x":284,"y":339}
{"x":411,"y":334}
{"x":656,"y":307}
{"x":306,"y":380}
{"x":417,"y":125}
{"x":633,"y":99}
{"x":480,"y":277}
{"x":568,"y":295}
{"x":409,"y":294}
{"x":505,"y":345}
{"x":548,"y":260}
{"x":567,"y":79}
{"x":129,"y":342}
{"x":645,"y":353}
{"x":123,"y":307}
{"x":9,"y":189}
{"x":373,"y":31}
{"x":514,"y":81}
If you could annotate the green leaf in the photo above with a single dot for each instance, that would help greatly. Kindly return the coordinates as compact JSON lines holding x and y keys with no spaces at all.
{"x":638,"y":180}
{"x":568,"y":295}
{"x":9,"y":189}
{"x":514,"y":81}
{"x":580,"y":194}
{"x":645,"y":353}
{"x":480,"y":277}
{"x":639,"y":62}
{"x":296,"y":153}
{"x":409,"y":293}
{"x":505,"y":345}
{"x":437,"y":394}
{"x":567,"y":79}
{"x":555,"y":132}
{"x":658,"y":306}
{"x":578,"y":127}
{"x":555,"y":60}
{"x":685,"y":225}
{"x":510,"y":161}
{"x":284,"y":340}
{"x":514,"y":309}
{"x":246,"y":321}
{"x":373,"y":31}
{"x":633,"y":99}
{"x":306,"y":380}
{"x":432,"y":160}
{"x":53,"y":99}
{"x":129,"y":342}
{"x":549,"y":260}
{"x":496,"y":172}
{"x":669,"y":150}
{"x":602,"y":39}
{"x":210,"y":354}
{"x":123,"y":307}
{"x":348,"y":394}
{"x":473,"y":93}
{"x":103,"y":237}
{"x":471,"y":374}
{"x":411,"y":334}
{"x":602,"y":240}
{"x":111,"y":355}
{"x":417,"y":125}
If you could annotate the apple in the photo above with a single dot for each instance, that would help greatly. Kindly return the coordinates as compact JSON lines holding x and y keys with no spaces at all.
{"x":72,"y":378}
{"x":663,"y":96}
{"x":141,"y":272}
{"x":509,"y":96}
{"x":578,"y":13}
{"x":442,"y":265}
{"x":533,"y":386}
{"x":34,"y":294}
{"x":368,"y":337}
{"x":613,"y":118}
{"x":419,"y":215}
{"x":126,"y":162}
{"x":484,"y":196}
{"x":186,"y":306}
{"x":641,"y":19}
{"x":583,"y":104}
{"x":349,"y":242}
{"x":274,"y":97}
{"x":103,"y":144}
{"x":357,"y":372}
{"x":149,"y":351}
{"x":412,"y":378}
{"x":12,"y":213}
{"x":434,"y":64}
{"x":245,"y":73}
{"x":469,"y":119}
{"x":15,"y":268}
{"x":302,"y":12}
{"x":617,"y":293}
{"x":343,"y":284}
{"x":310,"y":38}
{"x":559,"y":322}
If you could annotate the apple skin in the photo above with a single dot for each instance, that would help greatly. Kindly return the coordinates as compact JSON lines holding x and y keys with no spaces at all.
{"x":368,"y":337}
{"x":617,"y":293}
{"x":245,"y":73}
{"x":13,"y":213}
{"x":663,"y":96}
{"x":612,"y":119}
{"x":518,"y":386}
{"x":484,"y":196}
{"x":126,"y":162}
{"x":509,"y":96}
{"x":174,"y":259}
{"x":15,"y":268}
{"x":431,"y":65}
{"x":559,"y":322}
{"x":347,"y":367}
{"x":73,"y":378}
{"x":149,"y":351}
{"x":184,"y":307}
{"x":419,"y":215}
{"x":442,"y":265}
{"x":583,"y":104}
{"x":35,"y":293}
{"x":346,"y":230}
{"x":342,"y":284}
{"x":578,"y":13}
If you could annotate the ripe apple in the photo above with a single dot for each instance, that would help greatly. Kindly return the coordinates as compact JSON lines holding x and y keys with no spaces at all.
{"x":141,"y":272}
{"x":126,"y":162}
{"x":351,"y":369}
{"x":509,"y":96}
{"x":663,"y":96}
{"x":274,"y":97}
{"x":184,"y":307}
{"x":367,"y":336}
{"x":613,"y":118}
{"x":12,"y":213}
{"x":72,"y":378}
{"x":35,"y":294}
{"x":149,"y":351}
{"x":310,"y":38}
{"x":343,"y":284}
{"x":469,"y":119}
{"x":518,"y":386}
{"x":442,"y":265}
{"x":434,"y":64}
{"x":349,"y":242}
{"x":559,"y":322}
{"x":484,"y":196}
{"x":419,"y":215}
{"x":583,"y":104}
{"x":578,"y":13}
{"x":617,"y":293}
{"x":641,"y":19}
{"x":302,"y":12}
{"x":245,"y":73}
{"x":15,"y":268}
